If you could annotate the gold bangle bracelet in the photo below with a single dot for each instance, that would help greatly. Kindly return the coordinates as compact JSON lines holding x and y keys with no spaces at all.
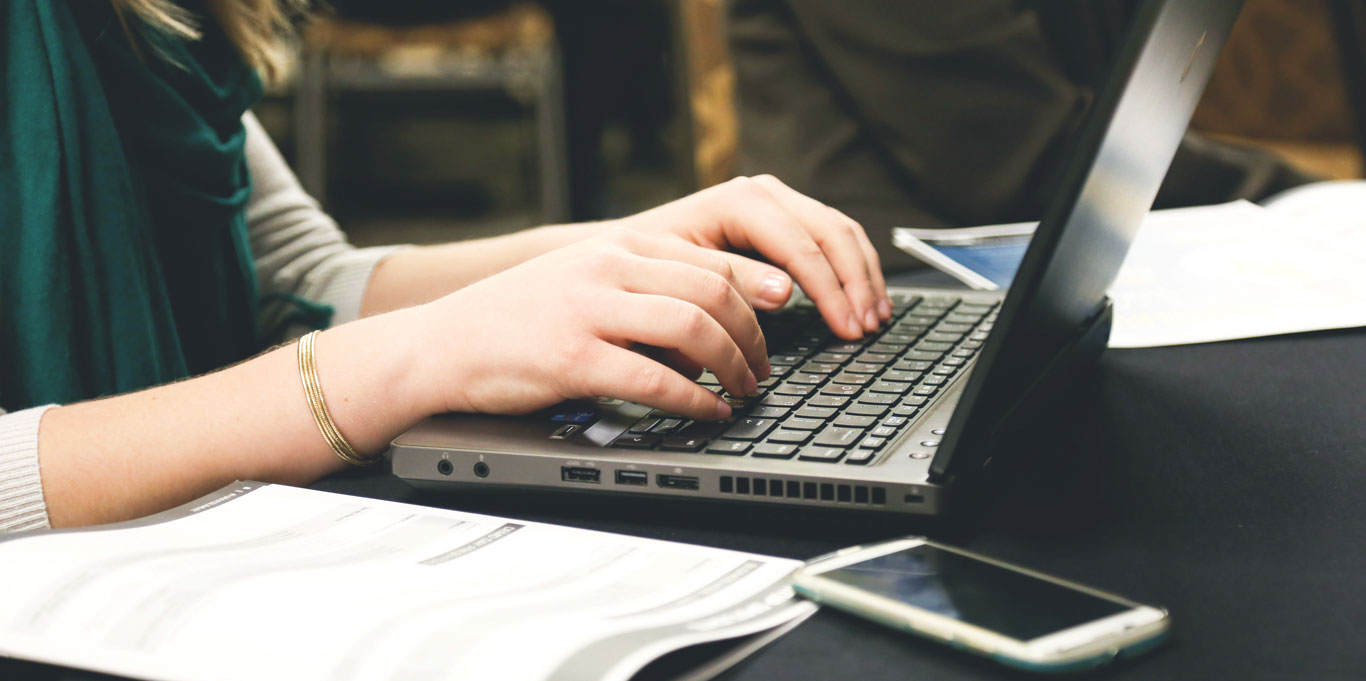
{"x":313,"y":390}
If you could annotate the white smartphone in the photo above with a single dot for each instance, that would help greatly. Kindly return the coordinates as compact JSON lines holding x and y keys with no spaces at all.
{"x":1019,"y":617}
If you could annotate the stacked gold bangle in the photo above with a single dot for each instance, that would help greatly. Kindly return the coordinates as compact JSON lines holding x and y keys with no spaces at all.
{"x":308,"y":373}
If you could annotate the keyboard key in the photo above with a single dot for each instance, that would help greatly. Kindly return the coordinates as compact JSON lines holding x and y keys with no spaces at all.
{"x":796,"y":389}
{"x":847,"y":378}
{"x":894,"y":421}
{"x":921,"y":356}
{"x":855,"y":421}
{"x":916,"y":400}
{"x":892,"y":387}
{"x":955,"y":361}
{"x":803,"y":378}
{"x":943,"y":337}
{"x":810,"y":412}
{"x":844,"y":390}
{"x":778,"y":370}
{"x":703,"y":429}
{"x":888,"y":348}
{"x":683,"y":444}
{"x":909,"y":364}
{"x":935,"y":380}
{"x":729,"y":447}
{"x":770,"y":450}
{"x":863,"y":368}
{"x":932,"y":346}
{"x":708,"y":378}
{"x":902,"y":376}
{"x":798,"y":423}
{"x":954,"y":328}
{"x":872,"y":442}
{"x":862,"y":409}
{"x":834,"y":436}
{"x":825,"y":454}
{"x":834,"y":401}
{"x":785,"y":359}
{"x":945,"y":370}
{"x":860,"y":456}
{"x":905,"y":410}
{"x":898,"y":338}
{"x":877,"y":398}
{"x":848,"y":348}
{"x":666,"y":426}
{"x":749,"y":429}
{"x":877,"y":357}
{"x":832,"y":357}
{"x":819,"y":368}
{"x":882,"y":431}
{"x":763,"y":412}
{"x":644,"y":425}
{"x":963,"y":352}
{"x":634,"y":441}
{"x":776,"y":400}
{"x":926,"y":390}
{"x":792,"y":437}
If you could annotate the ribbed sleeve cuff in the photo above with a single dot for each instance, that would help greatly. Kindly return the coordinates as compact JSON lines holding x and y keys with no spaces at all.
{"x":347,"y":275}
{"x":21,"y":486}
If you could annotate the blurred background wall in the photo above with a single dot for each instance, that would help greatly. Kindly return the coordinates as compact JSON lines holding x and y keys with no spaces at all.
{"x":421,"y":122}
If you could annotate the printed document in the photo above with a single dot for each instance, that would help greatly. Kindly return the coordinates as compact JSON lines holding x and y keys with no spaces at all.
{"x":273,"y":582}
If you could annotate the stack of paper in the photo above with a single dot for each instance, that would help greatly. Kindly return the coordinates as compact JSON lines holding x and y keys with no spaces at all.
{"x":1211,"y":273}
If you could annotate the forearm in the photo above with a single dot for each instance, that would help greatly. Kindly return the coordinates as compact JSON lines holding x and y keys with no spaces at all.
{"x":419,"y":275}
{"x":138,"y":453}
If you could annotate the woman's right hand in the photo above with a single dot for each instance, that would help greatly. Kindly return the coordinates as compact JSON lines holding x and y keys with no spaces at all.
{"x":563,"y":325}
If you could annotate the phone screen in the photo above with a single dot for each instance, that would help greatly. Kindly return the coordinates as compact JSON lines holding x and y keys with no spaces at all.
{"x":975,"y":592}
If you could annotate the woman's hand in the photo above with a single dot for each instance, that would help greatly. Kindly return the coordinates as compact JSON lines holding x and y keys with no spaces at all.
{"x":562,"y":325}
{"x":828,"y":253}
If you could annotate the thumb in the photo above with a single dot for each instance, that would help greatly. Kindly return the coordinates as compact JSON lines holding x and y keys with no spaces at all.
{"x":764,"y":286}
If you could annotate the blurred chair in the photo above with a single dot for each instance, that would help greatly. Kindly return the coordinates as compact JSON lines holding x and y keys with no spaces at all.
{"x":512,"y":50}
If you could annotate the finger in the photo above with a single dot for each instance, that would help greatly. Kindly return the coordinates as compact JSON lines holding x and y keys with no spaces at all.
{"x":673,"y":359}
{"x":620,"y":373}
{"x":679,"y":325}
{"x":712,"y":292}
{"x":884,"y":306}
{"x":754,"y":221}
{"x":764,"y":286}
{"x":837,"y":237}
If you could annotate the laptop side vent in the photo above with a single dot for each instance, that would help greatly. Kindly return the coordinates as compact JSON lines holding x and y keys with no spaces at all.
{"x":806,"y":491}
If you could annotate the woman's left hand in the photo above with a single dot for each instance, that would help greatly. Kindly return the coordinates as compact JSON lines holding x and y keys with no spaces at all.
{"x":828,"y":254}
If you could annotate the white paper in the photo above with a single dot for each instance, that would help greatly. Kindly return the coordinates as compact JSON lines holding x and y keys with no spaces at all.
{"x":1238,"y":270}
{"x":286,"y":583}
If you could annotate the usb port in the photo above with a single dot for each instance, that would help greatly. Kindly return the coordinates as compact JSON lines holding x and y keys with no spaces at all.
{"x":633,"y":478}
{"x":580,"y":474}
{"x":677,"y":481}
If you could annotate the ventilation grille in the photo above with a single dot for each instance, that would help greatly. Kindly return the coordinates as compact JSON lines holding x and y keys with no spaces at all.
{"x":806,"y":491}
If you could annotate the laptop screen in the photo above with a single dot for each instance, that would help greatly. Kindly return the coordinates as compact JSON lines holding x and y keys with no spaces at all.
{"x":1121,"y":155}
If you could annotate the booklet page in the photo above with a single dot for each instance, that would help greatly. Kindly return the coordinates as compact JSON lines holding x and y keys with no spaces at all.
{"x":274,"y":582}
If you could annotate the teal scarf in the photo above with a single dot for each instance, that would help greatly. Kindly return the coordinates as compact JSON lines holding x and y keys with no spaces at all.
{"x":124,"y":260}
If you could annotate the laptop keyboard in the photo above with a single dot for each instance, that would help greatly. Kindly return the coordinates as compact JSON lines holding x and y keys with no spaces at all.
{"x":829,"y":400}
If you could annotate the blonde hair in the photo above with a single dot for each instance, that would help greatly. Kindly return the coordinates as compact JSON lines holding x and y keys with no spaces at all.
{"x":262,"y":30}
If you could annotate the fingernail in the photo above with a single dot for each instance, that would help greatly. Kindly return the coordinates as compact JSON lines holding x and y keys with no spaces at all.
{"x":854,"y":326}
{"x":774,"y":288}
{"x":884,"y":307}
{"x":870,"y":321}
{"x":722,"y":410}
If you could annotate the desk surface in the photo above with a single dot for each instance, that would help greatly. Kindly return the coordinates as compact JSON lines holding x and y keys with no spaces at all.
{"x":1226,"y":482}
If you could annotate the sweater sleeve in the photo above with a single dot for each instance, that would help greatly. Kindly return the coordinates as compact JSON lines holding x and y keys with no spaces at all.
{"x":299,"y":251}
{"x":21,"y":488}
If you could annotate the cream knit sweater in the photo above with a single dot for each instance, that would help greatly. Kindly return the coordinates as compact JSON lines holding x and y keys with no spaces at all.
{"x":298,"y":249}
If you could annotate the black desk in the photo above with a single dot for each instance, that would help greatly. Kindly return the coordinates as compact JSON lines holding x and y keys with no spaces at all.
{"x":1226,"y":482}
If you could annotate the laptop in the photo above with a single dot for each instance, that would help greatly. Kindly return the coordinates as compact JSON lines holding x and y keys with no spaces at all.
{"x":904,"y":419}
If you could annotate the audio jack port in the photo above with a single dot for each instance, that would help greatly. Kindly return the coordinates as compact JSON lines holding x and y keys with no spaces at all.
{"x":445,"y":467}
{"x":481,"y":469}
